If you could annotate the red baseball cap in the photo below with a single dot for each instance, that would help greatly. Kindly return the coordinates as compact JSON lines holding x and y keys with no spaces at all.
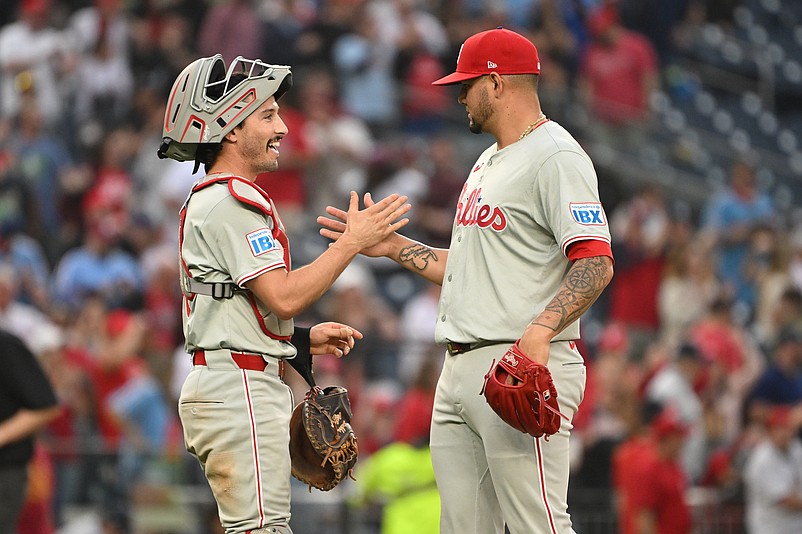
{"x":117,"y":321}
{"x":602,"y":20}
{"x":498,"y":50}
{"x":779,"y":416}
{"x":35,"y":7}
{"x":668,"y":423}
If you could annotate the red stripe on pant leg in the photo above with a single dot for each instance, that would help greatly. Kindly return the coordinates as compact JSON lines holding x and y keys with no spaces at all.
{"x":542,"y":477}
{"x":255,"y":445}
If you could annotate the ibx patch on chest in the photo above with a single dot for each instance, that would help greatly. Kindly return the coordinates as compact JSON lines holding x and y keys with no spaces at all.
{"x":587,"y":213}
{"x":261,"y":241}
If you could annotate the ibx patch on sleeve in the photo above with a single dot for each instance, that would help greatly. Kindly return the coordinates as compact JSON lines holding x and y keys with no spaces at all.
{"x":587,"y":213}
{"x":261,"y":241}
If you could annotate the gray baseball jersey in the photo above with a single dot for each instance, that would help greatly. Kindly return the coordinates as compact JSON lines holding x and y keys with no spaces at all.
{"x":251,"y":242}
{"x":518,"y":212}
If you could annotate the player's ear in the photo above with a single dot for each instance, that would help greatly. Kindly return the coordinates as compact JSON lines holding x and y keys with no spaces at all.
{"x":231,"y":136}
{"x":496,"y":81}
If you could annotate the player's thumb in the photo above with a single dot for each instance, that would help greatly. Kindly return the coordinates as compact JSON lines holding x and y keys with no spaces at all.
{"x":354,"y":202}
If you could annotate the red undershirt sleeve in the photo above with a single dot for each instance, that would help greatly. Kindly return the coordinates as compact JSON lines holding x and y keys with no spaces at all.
{"x":588,"y":249}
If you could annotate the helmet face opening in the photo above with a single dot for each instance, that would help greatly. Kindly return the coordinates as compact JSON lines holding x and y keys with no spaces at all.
{"x":208,"y":100}
{"x":216,"y":84}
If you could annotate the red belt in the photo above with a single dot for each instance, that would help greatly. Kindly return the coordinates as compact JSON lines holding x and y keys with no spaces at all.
{"x":251,"y":362}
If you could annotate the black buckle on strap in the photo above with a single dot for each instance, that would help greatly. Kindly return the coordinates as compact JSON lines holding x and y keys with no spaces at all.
{"x":222,"y":290}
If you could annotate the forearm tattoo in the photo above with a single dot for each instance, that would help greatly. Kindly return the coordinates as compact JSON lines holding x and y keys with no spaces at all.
{"x":418,"y":254}
{"x":582,"y":285}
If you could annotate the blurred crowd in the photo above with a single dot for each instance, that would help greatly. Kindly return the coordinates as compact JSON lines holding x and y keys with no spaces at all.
{"x":694,"y":352}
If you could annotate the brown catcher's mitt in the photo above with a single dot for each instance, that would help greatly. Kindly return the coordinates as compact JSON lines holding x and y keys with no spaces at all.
{"x":522,"y":393}
{"x":323,"y":446}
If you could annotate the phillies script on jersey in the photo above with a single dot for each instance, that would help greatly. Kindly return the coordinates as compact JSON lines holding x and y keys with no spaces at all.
{"x":471,"y":212}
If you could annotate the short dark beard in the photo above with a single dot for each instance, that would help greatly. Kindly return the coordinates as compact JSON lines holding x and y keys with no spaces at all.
{"x":483,"y":112}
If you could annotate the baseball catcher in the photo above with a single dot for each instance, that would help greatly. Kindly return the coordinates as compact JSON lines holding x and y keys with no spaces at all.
{"x":522,"y":393}
{"x":241,"y":295}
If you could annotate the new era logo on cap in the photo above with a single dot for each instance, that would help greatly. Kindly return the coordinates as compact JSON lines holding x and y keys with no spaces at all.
{"x":498,"y":50}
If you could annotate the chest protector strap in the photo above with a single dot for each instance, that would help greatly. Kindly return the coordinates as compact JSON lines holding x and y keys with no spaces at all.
{"x":218,"y":290}
{"x":247,"y":193}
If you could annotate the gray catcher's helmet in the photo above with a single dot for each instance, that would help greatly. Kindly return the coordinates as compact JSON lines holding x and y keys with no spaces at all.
{"x":206,"y":103}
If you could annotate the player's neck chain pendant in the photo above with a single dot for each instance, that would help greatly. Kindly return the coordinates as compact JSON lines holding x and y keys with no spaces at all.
{"x":529,"y":129}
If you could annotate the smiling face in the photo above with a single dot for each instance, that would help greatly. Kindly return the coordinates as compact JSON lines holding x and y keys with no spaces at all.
{"x":258,"y":137}
{"x":473,"y":95}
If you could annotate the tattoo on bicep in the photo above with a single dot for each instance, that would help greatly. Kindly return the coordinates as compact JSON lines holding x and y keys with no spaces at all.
{"x":582,"y":285}
{"x":418,"y":254}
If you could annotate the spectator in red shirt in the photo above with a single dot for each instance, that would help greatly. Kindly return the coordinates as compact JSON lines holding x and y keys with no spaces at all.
{"x":735,"y":361}
{"x":36,"y":516}
{"x":618,"y":73}
{"x":641,"y":229}
{"x":131,"y":414}
{"x":117,"y":363}
{"x":656,"y":503}
{"x":414,"y":411}
{"x":628,"y":459}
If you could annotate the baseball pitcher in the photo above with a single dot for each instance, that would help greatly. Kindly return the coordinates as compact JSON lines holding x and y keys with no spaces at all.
{"x":529,"y":254}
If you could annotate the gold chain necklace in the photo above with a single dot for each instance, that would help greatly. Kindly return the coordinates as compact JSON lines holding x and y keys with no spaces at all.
{"x":529,"y":129}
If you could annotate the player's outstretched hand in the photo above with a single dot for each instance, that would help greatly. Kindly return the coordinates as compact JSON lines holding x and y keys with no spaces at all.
{"x":341,"y":222}
{"x":333,"y":338}
{"x":370,"y":226}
